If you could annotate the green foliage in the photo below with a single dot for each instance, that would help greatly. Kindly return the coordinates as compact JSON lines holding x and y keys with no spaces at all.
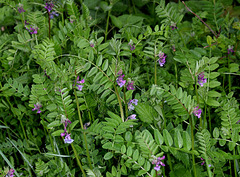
{"x":119,"y":131}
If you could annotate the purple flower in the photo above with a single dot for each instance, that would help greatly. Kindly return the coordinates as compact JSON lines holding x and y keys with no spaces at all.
{"x":157,"y":167}
{"x":230,"y":49}
{"x":80,"y":87}
{"x":130,"y":104}
{"x":162,"y":58}
{"x":134,"y":101}
{"x":10,"y":173}
{"x":132,"y":46}
{"x":68,"y":139}
{"x":201,"y":79}
{"x":158,"y":162}
{"x":37,"y":107}
{"x":49,"y":6}
{"x":67,"y":121}
{"x":91,"y":43}
{"x":173,"y":26}
{"x":63,"y":134}
{"x":130,"y":85}
{"x":238,"y":121}
{"x":197,"y":112}
{"x":79,"y":82}
{"x":20,"y":9}
{"x":202,"y":161}
{"x":133,"y":116}
{"x":52,"y":14}
{"x":31,"y":29}
{"x":120,"y":80}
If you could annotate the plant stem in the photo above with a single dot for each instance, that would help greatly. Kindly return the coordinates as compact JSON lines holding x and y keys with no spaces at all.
{"x":125,"y":100}
{"x":78,"y":161}
{"x":120,"y":103}
{"x":208,"y":169}
{"x":196,"y":91}
{"x":200,"y":20}
{"x":106,"y":32}
{"x":170,"y":162}
{"x":130,"y":67}
{"x":209,"y":120}
{"x":89,"y":115}
{"x":24,"y":133}
{"x":84,"y":135}
{"x":49,"y":25}
{"x":229,"y":76}
{"x":235,"y":164}
{"x":176,"y":74}
{"x":192,"y":135}
{"x":155,"y":72}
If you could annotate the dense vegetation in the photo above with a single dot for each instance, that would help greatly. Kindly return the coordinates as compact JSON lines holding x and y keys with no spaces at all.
{"x":119,"y":88}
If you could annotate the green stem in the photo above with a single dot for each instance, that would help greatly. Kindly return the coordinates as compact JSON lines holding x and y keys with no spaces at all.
{"x":24,"y":133}
{"x":134,"y":8}
{"x":120,"y":103}
{"x":209,"y":120}
{"x":176,"y":73}
{"x":84,"y":135}
{"x":89,"y":115}
{"x":130,"y":67}
{"x":125,"y":100}
{"x":192,"y":135}
{"x":49,"y":25}
{"x":208,"y":168}
{"x":170,"y":162}
{"x":106,"y":32}
{"x":230,"y":167}
{"x":196,"y":91}
{"x":235,"y":164}
{"x":182,"y":38}
{"x":51,"y":141}
{"x":155,"y":72}
{"x":78,"y":161}
{"x":229,"y":76}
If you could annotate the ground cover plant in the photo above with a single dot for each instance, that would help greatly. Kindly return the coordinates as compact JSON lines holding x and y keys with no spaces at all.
{"x":119,"y":88}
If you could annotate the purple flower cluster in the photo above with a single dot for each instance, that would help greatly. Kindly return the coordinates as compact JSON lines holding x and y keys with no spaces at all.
{"x":230,"y":49}
{"x":130,"y":104}
{"x":120,"y":80}
{"x":157,"y":161}
{"x":79,"y":82}
{"x":31,"y":30}
{"x":131,"y":45}
{"x":67,"y":138}
{"x":201,"y":79}
{"x":37,"y":107}
{"x":52,"y":14}
{"x":49,"y":6}
{"x":10,"y":173}
{"x":162,"y":58}
{"x":20,"y":9}
{"x":130,"y":85}
{"x":197,"y":112}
